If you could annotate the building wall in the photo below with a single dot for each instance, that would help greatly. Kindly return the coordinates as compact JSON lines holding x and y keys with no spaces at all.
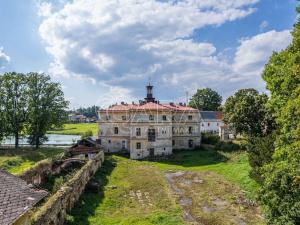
{"x":178,"y":127}
{"x":211,"y":125}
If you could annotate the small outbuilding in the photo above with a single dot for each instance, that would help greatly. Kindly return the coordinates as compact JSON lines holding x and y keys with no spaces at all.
{"x":86,"y":148}
{"x":16,"y":199}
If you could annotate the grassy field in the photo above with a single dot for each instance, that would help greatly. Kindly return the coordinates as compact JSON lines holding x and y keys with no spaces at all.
{"x":77,"y":129}
{"x":137,"y":192}
{"x":17,"y":161}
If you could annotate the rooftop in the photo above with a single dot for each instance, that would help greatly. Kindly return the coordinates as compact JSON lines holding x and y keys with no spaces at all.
{"x":149,"y":106}
{"x":211,"y":115}
{"x":17,"y":197}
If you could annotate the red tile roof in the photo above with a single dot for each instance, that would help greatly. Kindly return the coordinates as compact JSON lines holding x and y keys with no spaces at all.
{"x":149,"y":106}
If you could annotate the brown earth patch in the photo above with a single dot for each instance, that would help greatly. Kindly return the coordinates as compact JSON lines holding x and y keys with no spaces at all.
{"x":207,"y":199}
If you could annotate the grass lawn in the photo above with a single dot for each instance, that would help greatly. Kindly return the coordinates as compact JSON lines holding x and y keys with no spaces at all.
{"x":17,"y":161}
{"x":137,"y":192}
{"x":76,"y":129}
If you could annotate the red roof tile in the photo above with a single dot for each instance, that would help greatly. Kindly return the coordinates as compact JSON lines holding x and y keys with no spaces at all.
{"x":149,"y":106}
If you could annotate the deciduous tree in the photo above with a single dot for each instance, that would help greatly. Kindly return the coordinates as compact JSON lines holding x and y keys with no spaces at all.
{"x":47,"y":107}
{"x":247,"y":113}
{"x":206,"y":99}
{"x":280,"y":193}
{"x":14,"y":101}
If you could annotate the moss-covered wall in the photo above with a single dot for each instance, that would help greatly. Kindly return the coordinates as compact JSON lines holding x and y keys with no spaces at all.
{"x":53,"y":211}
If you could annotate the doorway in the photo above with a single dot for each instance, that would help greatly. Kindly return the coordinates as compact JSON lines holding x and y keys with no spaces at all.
{"x":151,"y":152}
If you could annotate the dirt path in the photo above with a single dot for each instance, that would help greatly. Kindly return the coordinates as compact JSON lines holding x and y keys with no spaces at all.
{"x":206,"y":198}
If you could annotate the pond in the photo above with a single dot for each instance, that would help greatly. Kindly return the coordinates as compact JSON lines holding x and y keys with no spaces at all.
{"x":53,"y":139}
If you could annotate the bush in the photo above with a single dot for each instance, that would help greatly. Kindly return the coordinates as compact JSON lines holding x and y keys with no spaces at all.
{"x":260,"y":151}
{"x":227,"y":146}
{"x":86,"y":134}
{"x":211,"y":139}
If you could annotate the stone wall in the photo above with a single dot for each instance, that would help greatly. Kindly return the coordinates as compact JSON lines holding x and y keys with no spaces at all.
{"x":53,"y":211}
{"x":36,"y":174}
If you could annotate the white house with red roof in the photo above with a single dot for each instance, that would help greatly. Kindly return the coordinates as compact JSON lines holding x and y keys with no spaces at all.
{"x":149,"y":128}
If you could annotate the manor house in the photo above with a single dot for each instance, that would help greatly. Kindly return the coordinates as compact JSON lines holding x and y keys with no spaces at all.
{"x":149,"y":128}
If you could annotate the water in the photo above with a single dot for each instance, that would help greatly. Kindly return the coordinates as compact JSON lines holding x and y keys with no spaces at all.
{"x":53,"y":139}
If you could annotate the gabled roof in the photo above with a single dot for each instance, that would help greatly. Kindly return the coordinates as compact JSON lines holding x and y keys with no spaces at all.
{"x":16,"y":197}
{"x":211,"y":115}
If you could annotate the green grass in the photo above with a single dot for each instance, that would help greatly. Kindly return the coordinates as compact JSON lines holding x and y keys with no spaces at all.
{"x":134,"y":193}
{"x":233,"y":166}
{"x":121,"y":176}
{"x":17,"y":161}
{"x":76,"y":129}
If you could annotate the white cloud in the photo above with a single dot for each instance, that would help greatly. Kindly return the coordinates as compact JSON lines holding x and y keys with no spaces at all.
{"x":44,"y":8}
{"x":4,"y":58}
{"x":119,"y":44}
{"x":264,"y":24}
{"x":254,"y":52}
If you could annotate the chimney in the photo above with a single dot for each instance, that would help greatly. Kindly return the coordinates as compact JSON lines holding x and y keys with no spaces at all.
{"x":122,"y":103}
{"x":172,"y":103}
{"x":180,"y":103}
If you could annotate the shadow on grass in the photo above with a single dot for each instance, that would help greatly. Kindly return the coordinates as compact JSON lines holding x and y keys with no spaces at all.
{"x":88,"y":202}
{"x":194,"y":158}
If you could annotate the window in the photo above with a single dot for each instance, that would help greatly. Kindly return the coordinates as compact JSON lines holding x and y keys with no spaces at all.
{"x":217,"y":124}
{"x":173,"y":118}
{"x":173,"y":142}
{"x":116,"y":130}
{"x":164,"y":149}
{"x":138,"y":145}
{"x":99,"y":141}
{"x":190,"y":130}
{"x":109,"y":141}
{"x":191,"y":144}
{"x":173,"y":130}
{"x":123,"y":117}
{"x":190,"y":117}
{"x":164,"y":117}
{"x":151,"y":117}
{"x":138,"y":131}
{"x":202,"y":124}
{"x":208,"y":124}
{"x":151,"y":135}
{"x":107,"y":117}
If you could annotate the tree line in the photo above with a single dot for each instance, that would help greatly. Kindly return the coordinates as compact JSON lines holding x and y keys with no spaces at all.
{"x":30,"y":104}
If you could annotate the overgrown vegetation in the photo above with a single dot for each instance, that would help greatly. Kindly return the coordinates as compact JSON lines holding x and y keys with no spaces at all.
{"x":127,"y":183}
{"x":76,"y":129}
{"x":16,"y":161}
{"x":272,"y":127}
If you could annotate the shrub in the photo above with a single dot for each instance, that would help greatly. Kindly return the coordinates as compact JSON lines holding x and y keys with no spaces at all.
{"x":86,"y":134}
{"x":208,"y":138}
{"x":260,"y":151}
{"x":227,"y":146}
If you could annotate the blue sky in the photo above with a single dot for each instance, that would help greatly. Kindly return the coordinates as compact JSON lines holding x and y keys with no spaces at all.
{"x":104,"y":51}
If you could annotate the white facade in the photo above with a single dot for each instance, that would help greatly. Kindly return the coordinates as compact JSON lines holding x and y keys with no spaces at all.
{"x":149,"y":129}
{"x":211,"y":121}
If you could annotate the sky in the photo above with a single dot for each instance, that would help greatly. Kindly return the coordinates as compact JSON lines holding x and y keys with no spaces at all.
{"x":106,"y":51}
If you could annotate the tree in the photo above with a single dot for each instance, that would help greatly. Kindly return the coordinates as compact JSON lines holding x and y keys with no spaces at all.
{"x":247,"y":113}
{"x":280,"y":192}
{"x":89,"y":111}
{"x":14,"y":103}
{"x":206,"y":99}
{"x":2,"y":111}
{"x":46,"y":107}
